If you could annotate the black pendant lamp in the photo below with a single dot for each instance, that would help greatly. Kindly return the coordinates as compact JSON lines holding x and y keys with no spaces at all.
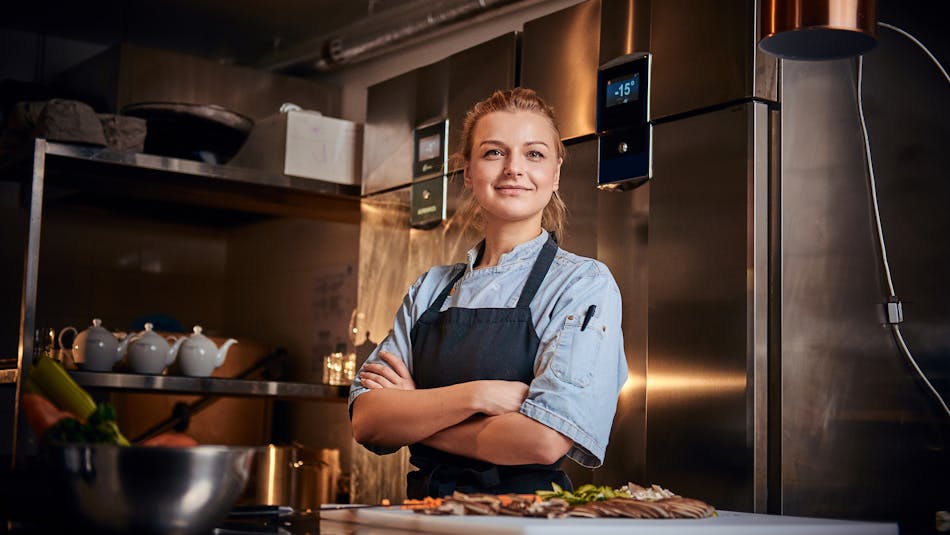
{"x":817,"y":29}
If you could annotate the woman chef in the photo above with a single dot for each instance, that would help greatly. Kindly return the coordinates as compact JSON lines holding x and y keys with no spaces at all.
{"x":499,"y":367}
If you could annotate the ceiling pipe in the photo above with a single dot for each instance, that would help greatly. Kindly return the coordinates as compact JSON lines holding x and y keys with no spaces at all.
{"x":818,"y":29}
{"x":379,"y":33}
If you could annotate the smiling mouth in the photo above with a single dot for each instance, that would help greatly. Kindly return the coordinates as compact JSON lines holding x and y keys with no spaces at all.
{"x":511,"y":187}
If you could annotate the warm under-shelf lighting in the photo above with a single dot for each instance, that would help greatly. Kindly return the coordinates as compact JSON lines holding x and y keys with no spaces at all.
{"x":817,"y":29}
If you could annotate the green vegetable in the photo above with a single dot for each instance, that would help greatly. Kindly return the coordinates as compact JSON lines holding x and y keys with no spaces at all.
{"x":57,"y":386}
{"x":583,"y":494}
{"x":49,"y":379}
{"x":101,"y":428}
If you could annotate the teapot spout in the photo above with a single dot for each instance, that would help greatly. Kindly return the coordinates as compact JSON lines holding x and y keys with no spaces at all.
{"x":173,"y":350}
{"x":124,"y":345}
{"x":223,"y":351}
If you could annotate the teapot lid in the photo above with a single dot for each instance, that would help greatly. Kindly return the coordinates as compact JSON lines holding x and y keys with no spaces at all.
{"x":197,"y":333}
{"x":149,"y":333}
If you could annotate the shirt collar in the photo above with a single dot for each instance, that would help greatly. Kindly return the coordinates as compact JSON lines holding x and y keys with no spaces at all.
{"x":522,"y":251}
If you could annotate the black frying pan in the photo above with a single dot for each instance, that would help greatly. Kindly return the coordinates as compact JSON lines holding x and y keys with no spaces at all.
{"x":204,"y":132}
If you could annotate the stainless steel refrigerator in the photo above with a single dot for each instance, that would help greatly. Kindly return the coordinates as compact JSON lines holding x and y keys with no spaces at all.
{"x":762,"y":376}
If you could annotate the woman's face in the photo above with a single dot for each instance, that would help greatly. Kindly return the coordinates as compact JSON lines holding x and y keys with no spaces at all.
{"x":514,"y":168}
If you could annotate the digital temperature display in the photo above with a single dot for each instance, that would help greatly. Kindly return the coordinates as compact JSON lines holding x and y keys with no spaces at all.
{"x":623,"y":90}
{"x":429,"y":147}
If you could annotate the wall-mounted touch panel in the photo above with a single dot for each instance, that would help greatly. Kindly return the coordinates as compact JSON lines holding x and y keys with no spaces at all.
{"x":623,"y":122}
{"x":430,"y":148}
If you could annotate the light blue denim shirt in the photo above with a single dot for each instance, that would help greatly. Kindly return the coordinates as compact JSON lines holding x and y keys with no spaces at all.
{"x":578,"y":372}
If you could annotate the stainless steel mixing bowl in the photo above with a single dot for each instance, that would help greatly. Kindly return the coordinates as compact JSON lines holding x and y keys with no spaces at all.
{"x":138,"y":489}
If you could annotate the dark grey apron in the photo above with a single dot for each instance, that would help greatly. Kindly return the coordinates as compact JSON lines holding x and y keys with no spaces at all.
{"x":468,"y":344}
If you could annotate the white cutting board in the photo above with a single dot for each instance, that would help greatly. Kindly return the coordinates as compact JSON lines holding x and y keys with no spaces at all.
{"x":726,"y":523}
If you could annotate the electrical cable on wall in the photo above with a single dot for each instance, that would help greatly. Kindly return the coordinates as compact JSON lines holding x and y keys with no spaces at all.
{"x":895,"y":313}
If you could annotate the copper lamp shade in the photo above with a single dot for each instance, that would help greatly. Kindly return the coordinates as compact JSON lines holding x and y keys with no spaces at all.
{"x":818,"y":29}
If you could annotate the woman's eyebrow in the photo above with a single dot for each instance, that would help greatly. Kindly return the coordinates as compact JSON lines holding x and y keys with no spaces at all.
{"x":499,"y":143}
{"x":492,"y":142}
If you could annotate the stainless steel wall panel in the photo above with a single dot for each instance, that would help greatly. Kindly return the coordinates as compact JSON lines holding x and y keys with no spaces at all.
{"x":705,"y":220}
{"x":578,"y":188}
{"x":760,"y":243}
{"x":387,"y":135}
{"x":622,"y":234}
{"x":861,"y":436}
{"x":384,"y":278}
{"x":473,"y":75}
{"x":624,"y":28}
{"x":704,"y":53}
{"x":559,"y":59}
{"x":432,"y":94}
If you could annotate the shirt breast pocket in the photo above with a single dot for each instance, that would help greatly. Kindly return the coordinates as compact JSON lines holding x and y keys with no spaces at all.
{"x":575,"y":359}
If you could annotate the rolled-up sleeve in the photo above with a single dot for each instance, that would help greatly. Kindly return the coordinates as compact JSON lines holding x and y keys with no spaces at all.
{"x":581,"y":368}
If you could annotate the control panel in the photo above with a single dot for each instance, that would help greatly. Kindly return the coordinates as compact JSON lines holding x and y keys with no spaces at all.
{"x":625,"y":134}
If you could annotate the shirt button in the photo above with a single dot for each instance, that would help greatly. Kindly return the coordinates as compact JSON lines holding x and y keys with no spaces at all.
{"x":570,"y":318}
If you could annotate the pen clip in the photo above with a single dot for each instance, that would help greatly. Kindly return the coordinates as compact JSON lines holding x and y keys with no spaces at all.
{"x":588,"y":315}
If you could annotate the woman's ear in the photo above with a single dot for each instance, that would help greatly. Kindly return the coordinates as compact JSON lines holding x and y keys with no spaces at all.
{"x":466,"y":180}
{"x":557,"y":174}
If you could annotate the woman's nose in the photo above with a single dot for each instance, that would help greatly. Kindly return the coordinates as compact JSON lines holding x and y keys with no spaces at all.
{"x":514,"y":166}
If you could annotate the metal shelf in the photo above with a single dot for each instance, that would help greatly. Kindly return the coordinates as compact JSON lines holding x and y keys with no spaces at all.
{"x":209,"y":386}
{"x":193,"y":168}
{"x":95,"y":175}
{"x":65,"y":174}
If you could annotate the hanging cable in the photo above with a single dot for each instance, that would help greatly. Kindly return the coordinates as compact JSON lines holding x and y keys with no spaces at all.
{"x":895,"y":314}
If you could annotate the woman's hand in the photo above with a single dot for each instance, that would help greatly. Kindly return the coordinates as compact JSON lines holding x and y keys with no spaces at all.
{"x":395,"y":375}
{"x":500,"y":397}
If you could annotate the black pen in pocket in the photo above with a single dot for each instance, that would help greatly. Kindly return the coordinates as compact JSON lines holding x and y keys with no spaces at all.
{"x":588,"y":315}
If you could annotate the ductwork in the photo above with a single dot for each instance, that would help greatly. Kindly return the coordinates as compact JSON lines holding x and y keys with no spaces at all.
{"x":384,"y":32}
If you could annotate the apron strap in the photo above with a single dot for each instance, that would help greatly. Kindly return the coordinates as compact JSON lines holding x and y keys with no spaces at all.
{"x":538,"y":271}
{"x":436,"y":305}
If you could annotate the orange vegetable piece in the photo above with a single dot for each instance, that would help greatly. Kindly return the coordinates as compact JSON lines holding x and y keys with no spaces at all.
{"x":41,"y":413}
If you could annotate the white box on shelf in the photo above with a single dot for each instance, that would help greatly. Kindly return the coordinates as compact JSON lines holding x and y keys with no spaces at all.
{"x":304,"y":144}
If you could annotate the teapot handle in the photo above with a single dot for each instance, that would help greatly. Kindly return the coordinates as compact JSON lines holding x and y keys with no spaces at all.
{"x":64,"y":331}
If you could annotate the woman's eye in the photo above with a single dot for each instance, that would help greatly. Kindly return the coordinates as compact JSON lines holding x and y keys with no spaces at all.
{"x":535,"y":155}
{"x":492,"y":153}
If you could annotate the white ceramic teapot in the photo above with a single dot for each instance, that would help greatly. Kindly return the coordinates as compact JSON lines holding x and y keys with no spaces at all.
{"x":96,"y":349}
{"x":150,"y":352}
{"x":198,"y":356}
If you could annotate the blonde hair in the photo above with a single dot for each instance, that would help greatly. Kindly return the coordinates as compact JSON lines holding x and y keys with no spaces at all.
{"x":554,"y":217}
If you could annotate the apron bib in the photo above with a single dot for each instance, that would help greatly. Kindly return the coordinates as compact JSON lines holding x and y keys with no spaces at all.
{"x":469,"y":344}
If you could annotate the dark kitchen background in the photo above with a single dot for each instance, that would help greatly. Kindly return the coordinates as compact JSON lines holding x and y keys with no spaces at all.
{"x":764,"y":375}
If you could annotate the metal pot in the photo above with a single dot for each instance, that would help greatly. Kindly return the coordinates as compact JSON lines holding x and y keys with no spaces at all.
{"x":139,"y":489}
{"x":298,"y":476}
